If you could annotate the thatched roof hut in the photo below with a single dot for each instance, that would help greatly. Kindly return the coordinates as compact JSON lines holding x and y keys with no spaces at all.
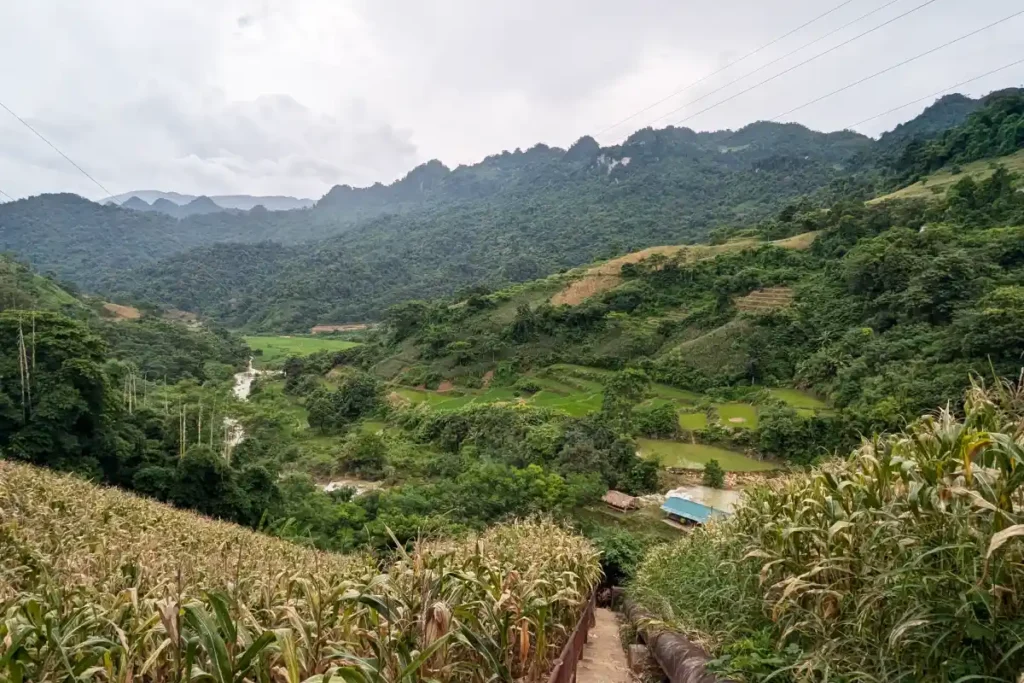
{"x":620,"y":501}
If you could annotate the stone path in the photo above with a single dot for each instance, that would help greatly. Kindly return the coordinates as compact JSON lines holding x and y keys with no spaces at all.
{"x":603,"y":659}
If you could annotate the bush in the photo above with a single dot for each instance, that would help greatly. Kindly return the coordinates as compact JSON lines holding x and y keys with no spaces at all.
{"x":526,"y":385}
{"x":714,"y":475}
{"x":365,"y":455}
{"x":657,"y":422}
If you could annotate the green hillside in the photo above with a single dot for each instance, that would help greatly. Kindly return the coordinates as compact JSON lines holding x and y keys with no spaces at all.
{"x":881,"y":310}
{"x":22,"y":288}
{"x":934,"y":185}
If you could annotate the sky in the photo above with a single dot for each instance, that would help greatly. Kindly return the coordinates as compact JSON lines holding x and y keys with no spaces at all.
{"x":295,"y":96}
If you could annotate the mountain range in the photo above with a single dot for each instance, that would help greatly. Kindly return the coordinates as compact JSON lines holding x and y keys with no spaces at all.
{"x":510,"y":218}
{"x":172,"y":202}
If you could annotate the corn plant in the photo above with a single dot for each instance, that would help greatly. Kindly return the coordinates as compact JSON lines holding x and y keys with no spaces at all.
{"x":100,"y":585}
{"x":903,"y":562}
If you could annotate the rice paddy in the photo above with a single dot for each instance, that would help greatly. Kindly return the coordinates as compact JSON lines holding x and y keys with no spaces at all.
{"x":578,"y":390}
{"x":275,"y":349}
{"x":696,"y":455}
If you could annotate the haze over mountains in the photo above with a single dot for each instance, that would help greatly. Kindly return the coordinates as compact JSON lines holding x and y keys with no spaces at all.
{"x":183,"y":205}
{"x":512,"y":217}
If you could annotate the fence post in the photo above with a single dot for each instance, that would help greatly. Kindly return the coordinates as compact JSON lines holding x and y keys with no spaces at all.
{"x":564,"y":668}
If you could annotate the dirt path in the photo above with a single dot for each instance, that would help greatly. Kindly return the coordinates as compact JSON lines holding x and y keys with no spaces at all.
{"x":603,"y":659}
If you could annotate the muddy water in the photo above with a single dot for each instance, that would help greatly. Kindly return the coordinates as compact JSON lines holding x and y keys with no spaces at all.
{"x":242,"y":389}
{"x":719,"y":499}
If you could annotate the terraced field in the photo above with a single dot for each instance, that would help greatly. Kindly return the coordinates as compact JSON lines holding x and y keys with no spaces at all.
{"x":696,"y":455}
{"x":277,"y":348}
{"x":578,"y":390}
{"x":936,"y":184}
{"x":765,"y":300}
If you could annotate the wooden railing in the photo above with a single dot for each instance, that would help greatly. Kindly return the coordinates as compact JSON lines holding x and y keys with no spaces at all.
{"x":564,"y":670}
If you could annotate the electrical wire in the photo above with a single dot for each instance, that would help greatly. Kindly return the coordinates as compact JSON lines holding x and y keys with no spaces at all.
{"x":727,"y":66}
{"x":934,"y":94}
{"x":898,"y":65}
{"x":56,"y":149}
{"x":775,"y":61}
{"x":807,"y":61}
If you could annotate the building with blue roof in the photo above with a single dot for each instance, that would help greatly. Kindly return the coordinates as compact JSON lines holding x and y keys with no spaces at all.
{"x":688,"y":511}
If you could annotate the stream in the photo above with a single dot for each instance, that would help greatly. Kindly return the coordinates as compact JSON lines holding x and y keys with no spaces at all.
{"x":236,"y":433}
{"x":242,"y":389}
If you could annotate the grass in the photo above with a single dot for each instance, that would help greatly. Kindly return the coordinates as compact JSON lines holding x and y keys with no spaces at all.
{"x":372,"y":426}
{"x":695,"y":456}
{"x":798,"y":399}
{"x":693,"y":421}
{"x":935,"y":185}
{"x":277,"y":348}
{"x":646,"y":520}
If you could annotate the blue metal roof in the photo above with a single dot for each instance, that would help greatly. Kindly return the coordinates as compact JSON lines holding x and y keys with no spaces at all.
{"x":695,"y":512}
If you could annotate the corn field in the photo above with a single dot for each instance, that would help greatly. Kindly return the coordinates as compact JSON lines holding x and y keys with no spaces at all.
{"x":100,"y":585}
{"x":904,"y":562}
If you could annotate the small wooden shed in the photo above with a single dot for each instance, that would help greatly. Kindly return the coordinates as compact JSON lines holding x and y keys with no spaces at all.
{"x":623,"y":502}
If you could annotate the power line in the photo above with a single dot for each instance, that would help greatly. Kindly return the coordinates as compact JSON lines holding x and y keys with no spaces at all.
{"x":727,"y":66}
{"x":903,"y":63}
{"x":935,"y":94}
{"x":56,"y":149}
{"x":7,"y":195}
{"x":776,"y":61}
{"x":807,"y":61}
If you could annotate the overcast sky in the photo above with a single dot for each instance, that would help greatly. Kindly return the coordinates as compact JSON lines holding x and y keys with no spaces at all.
{"x":294,"y":96}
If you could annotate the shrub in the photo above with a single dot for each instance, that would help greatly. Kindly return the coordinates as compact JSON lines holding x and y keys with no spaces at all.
{"x":657,"y":422}
{"x":714,"y":475}
{"x":526,"y":385}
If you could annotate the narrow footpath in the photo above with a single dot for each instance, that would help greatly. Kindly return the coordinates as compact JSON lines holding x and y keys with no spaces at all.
{"x":603,"y":659}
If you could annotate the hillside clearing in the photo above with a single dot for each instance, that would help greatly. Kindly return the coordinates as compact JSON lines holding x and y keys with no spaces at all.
{"x":274,"y":349}
{"x":798,"y":399}
{"x":765,"y":300}
{"x":120,"y":312}
{"x":608,"y":275}
{"x":935,"y":185}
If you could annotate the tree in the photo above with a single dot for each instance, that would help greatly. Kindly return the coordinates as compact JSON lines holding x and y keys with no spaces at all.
{"x":524,"y":326}
{"x":53,"y":392}
{"x":359,"y":395}
{"x":622,"y":391}
{"x":714,"y":475}
{"x":365,"y":455}
{"x":320,"y":411}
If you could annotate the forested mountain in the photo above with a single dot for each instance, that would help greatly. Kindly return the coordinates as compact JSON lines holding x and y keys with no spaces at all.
{"x":510,"y":218}
{"x":946,"y":112}
{"x":513,"y":216}
{"x":884,"y":310}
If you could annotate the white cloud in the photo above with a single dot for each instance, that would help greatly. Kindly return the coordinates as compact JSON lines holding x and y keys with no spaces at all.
{"x":293,"y":96}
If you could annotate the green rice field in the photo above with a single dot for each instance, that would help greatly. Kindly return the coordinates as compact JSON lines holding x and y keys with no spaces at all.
{"x":693,"y":421}
{"x":695,"y":456}
{"x":578,"y":391}
{"x":741,"y":415}
{"x":798,"y":399}
{"x":277,"y":348}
